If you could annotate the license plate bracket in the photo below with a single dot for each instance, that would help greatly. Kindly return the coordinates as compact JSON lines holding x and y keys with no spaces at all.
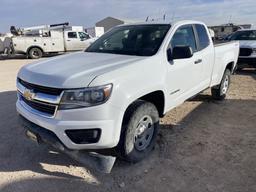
{"x":32,"y":136}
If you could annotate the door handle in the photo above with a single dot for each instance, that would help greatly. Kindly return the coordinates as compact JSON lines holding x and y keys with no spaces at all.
{"x":68,"y":40}
{"x":198,"y":61}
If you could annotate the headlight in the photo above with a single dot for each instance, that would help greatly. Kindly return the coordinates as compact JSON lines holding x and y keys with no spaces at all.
{"x":86,"y":97}
{"x":254,"y":50}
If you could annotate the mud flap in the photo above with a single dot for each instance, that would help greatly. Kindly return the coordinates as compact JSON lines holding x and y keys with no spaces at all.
{"x":92,"y":160}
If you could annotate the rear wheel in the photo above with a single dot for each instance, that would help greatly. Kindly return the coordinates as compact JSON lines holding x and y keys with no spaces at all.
{"x":219,"y":92}
{"x":35,"y":53}
{"x":139,"y":131}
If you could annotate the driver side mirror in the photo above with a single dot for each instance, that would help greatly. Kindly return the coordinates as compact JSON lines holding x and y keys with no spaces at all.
{"x":179,"y":52}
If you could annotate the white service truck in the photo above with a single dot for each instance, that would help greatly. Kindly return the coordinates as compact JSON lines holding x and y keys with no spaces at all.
{"x":112,"y":95}
{"x":40,"y":40}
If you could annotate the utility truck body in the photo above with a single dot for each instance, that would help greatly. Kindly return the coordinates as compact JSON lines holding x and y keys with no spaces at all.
{"x":40,"y":40}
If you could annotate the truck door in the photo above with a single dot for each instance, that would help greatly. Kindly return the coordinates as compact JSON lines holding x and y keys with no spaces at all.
{"x":72,"y":41}
{"x":183,"y":75}
{"x":84,"y":40}
{"x":206,"y":50}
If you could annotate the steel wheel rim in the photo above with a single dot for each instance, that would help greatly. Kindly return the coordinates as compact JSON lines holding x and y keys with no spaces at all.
{"x":35,"y":53}
{"x":144,"y":133}
{"x":225,"y":85}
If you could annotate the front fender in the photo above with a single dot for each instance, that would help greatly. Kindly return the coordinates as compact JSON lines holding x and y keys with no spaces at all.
{"x":134,"y":81}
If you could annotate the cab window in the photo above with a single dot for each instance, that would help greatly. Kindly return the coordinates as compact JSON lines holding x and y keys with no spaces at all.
{"x":203,"y":36}
{"x":244,"y":35}
{"x":184,"y":36}
{"x":83,"y":35}
{"x":72,"y":35}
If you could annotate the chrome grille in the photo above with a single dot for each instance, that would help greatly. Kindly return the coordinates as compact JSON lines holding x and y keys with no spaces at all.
{"x":39,"y":106}
{"x":40,"y":89}
{"x":38,"y":99}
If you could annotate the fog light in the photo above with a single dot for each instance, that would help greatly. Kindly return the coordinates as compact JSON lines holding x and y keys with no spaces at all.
{"x":84,"y":136}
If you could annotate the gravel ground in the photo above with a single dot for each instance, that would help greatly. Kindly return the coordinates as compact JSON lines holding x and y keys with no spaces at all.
{"x":203,"y":146}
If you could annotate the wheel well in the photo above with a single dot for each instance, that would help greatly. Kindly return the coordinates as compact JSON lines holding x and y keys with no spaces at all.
{"x":230,"y":66}
{"x":34,"y":47}
{"x":157,"y":98}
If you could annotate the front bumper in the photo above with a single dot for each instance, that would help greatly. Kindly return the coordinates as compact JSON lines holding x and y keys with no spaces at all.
{"x":106,"y":118}
{"x":42,"y":135}
{"x":96,"y":161}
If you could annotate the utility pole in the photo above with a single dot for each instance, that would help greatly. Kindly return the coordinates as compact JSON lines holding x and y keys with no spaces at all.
{"x":173,"y":16}
{"x":230,"y":19}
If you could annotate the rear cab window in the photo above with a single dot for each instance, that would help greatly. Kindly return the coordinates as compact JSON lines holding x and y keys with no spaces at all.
{"x":203,"y":37}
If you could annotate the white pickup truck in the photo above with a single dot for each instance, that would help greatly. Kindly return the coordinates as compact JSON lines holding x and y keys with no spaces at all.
{"x":112,"y":95}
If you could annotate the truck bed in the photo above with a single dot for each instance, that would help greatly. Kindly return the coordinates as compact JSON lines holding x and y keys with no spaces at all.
{"x":225,"y":53}
{"x":219,"y":43}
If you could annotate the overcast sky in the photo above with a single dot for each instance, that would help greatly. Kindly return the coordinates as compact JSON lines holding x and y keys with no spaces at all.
{"x":22,"y":13}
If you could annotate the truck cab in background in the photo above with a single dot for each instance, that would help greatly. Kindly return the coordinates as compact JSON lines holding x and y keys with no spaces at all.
{"x":247,"y":41}
{"x":76,"y":40}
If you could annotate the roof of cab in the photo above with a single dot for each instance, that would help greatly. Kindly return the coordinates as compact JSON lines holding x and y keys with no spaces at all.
{"x":163,"y":23}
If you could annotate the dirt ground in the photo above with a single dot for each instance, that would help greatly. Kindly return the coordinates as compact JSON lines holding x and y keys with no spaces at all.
{"x":203,"y":146}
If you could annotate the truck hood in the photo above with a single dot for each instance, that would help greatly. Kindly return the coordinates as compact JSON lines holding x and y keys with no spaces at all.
{"x":73,"y":70}
{"x":247,"y":44}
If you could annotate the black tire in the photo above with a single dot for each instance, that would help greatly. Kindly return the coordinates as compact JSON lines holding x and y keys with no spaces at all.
{"x":139,"y":131}
{"x":10,"y":52}
{"x":219,"y":92}
{"x":35,"y":53}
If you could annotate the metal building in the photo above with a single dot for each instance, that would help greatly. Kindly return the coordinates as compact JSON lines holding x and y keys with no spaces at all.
{"x":221,"y":31}
{"x":110,"y":22}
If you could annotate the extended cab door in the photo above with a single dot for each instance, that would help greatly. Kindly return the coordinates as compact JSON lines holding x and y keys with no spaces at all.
{"x":184,"y":75}
{"x":207,"y":54}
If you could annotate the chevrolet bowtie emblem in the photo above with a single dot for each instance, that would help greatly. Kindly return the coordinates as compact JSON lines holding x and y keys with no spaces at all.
{"x":28,"y":94}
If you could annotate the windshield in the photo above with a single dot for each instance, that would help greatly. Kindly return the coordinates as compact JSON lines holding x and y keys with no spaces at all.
{"x":244,"y":35}
{"x":140,"y":40}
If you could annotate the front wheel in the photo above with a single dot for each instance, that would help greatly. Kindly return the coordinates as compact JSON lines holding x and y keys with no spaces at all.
{"x":139,"y":131}
{"x":219,"y":92}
